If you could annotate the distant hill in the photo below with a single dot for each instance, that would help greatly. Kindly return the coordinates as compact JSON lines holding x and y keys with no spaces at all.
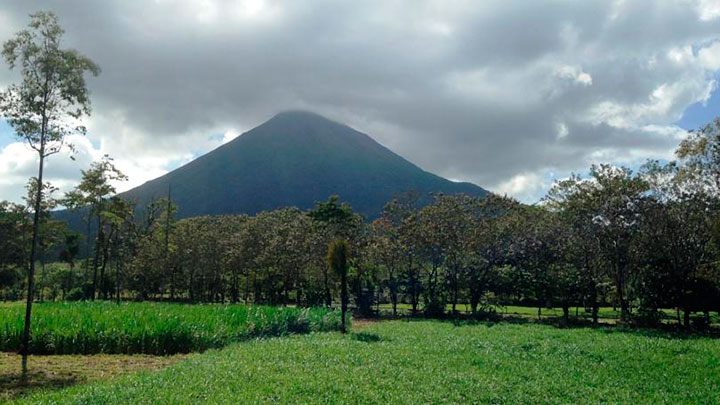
{"x":294,"y":159}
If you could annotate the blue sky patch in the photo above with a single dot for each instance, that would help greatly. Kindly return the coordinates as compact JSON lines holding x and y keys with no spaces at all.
{"x":697,"y":115}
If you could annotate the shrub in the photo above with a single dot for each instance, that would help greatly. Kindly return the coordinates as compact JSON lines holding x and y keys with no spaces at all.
{"x":76,"y":294}
{"x":646,"y":317}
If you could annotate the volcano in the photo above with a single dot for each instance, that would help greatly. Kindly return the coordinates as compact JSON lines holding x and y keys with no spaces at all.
{"x":294,"y":159}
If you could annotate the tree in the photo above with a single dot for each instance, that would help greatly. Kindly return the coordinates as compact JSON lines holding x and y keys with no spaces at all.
{"x":239,"y":256}
{"x":401,"y":213}
{"x":50,"y":232}
{"x":339,"y":221}
{"x":573,"y":199}
{"x":700,"y":153}
{"x":454,"y":220}
{"x":532,"y":252}
{"x":386,"y":250}
{"x":338,"y":251}
{"x":338,"y":217}
{"x":119,"y":218}
{"x":44,"y":108}
{"x":68,"y":254}
{"x":431,"y":241}
{"x":619,"y":199}
{"x":606,"y":213}
{"x":489,"y":244}
{"x":170,"y":210}
{"x":92,"y":194}
{"x":14,"y":229}
{"x":677,"y":235}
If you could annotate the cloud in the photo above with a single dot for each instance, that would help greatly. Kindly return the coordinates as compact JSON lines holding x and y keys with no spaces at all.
{"x":18,"y":163}
{"x":500,"y":94}
{"x":574,"y":73}
{"x":710,"y":56}
{"x":523,"y":186}
{"x":709,"y":9}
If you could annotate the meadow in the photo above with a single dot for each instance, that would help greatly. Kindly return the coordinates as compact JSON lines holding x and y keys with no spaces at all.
{"x":430,"y":362}
{"x":606,"y":315}
{"x":151,"y":328}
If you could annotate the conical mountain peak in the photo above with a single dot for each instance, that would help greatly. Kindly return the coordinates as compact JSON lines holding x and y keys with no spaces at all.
{"x":294,"y":159}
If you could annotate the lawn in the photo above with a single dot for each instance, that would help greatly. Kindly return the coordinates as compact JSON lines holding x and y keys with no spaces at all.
{"x":605,"y":314}
{"x":430,"y":362}
{"x":151,"y":328}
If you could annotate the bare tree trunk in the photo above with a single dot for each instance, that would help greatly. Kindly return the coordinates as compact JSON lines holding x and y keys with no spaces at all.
{"x":393,"y":298}
{"x":105,"y":255}
{"x":343,"y":298}
{"x":167,"y":246}
{"x":24,"y":349}
{"x":620,"y":291}
{"x":87,"y":244}
{"x":247,"y":287}
{"x":455,"y":293}
{"x":96,"y":258}
{"x":117,"y":279}
{"x":328,"y":297}
{"x":42,"y":276}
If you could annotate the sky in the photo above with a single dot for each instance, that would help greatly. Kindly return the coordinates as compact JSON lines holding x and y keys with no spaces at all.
{"x":507,"y":95}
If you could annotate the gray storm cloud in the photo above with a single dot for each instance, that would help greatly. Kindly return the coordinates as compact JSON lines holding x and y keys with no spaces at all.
{"x":501,"y":94}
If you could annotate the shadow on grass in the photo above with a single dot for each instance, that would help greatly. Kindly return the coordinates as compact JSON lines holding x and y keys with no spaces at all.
{"x":366,"y":337}
{"x":664,"y":331}
{"x":13,"y":385}
{"x":47,"y":373}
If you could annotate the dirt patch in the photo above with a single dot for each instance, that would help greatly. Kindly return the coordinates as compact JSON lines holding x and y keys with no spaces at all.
{"x":54,"y":372}
{"x":359,"y":324}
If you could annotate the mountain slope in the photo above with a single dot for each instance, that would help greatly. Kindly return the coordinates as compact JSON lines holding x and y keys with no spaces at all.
{"x":294,"y":159}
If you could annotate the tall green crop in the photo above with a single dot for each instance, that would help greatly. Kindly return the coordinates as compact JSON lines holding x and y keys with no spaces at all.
{"x":153,"y":328}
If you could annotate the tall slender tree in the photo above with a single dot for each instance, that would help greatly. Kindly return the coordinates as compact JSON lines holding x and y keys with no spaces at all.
{"x":50,"y":231}
{"x":339,"y":221}
{"x":44,"y":108}
{"x":338,"y":252}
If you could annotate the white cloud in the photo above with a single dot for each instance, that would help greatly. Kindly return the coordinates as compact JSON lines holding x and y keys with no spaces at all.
{"x":710,"y":56}
{"x":229,"y":136}
{"x":525,"y":187}
{"x":18,"y":163}
{"x":562,"y":130}
{"x":709,"y":9}
{"x":575,"y":73}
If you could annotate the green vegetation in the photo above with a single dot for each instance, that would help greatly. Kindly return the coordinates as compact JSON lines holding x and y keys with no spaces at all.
{"x":431,"y":362}
{"x":337,"y":261}
{"x":605,"y":314}
{"x":44,"y":108}
{"x":153,"y":328}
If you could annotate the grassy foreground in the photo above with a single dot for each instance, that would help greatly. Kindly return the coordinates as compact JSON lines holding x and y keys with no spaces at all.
{"x":431,"y":362}
{"x":152,"y":328}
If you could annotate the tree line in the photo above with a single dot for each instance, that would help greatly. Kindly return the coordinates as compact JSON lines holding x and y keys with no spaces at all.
{"x":641,"y":241}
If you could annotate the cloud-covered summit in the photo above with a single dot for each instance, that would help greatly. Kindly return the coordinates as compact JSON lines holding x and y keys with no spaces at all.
{"x":505,"y":95}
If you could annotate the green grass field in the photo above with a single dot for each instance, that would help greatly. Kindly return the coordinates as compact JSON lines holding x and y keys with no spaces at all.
{"x":606,"y":314}
{"x":151,"y":328}
{"x":430,"y":362}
